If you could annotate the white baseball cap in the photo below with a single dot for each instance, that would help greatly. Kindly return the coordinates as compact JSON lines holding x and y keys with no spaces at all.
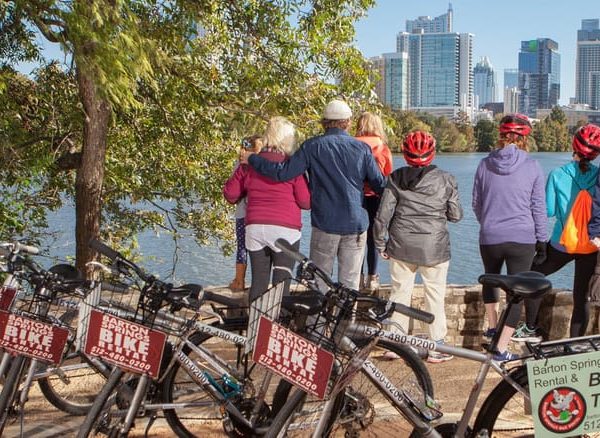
{"x":337,"y":110}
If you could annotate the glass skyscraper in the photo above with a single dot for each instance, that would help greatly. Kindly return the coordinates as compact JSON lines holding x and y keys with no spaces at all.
{"x":426,"y":24}
{"x":587,"y":71}
{"x":392,"y":87}
{"x":484,"y":80}
{"x":440,"y":68}
{"x":539,"y":75}
{"x":511,"y":78}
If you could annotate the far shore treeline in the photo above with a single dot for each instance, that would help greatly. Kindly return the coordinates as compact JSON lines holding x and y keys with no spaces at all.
{"x":152,"y":101}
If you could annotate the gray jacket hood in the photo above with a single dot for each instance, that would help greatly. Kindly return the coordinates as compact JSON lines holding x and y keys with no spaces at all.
{"x":506,"y":160}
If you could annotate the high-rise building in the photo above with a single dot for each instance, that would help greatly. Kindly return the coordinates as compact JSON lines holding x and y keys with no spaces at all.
{"x":511,"y":100}
{"x":440,"y":68}
{"x":511,"y":78}
{"x":426,"y":24}
{"x":392,"y":88}
{"x":484,"y":82}
{"x":539,"y":75}
{"x":587,"y":70}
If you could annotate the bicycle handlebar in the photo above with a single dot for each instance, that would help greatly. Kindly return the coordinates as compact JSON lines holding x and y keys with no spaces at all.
{"x":105,"y":250}
{"x":8,"y":248}
{"x":306,"y":263}
{"x":411,"y":312}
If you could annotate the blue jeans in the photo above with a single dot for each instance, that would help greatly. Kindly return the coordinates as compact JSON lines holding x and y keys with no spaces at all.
{"x":348,"y":249}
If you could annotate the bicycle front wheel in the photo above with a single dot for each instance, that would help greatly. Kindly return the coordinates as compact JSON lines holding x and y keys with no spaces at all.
{"x":195,"y":405}
{"x":506,"y":412}
{"x":365,"y":409}
{"x":73,"y":387}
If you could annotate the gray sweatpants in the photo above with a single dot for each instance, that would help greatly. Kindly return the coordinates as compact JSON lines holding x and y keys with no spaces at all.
{"x":349,"y":250}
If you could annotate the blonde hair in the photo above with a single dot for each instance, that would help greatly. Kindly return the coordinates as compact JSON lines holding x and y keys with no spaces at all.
{"x":370,"y":124}
{"x":281,"y":135}
{"x":511,"y":138}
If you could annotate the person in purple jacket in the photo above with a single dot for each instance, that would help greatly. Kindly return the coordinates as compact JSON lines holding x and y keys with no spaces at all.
{"x":509,"y":203}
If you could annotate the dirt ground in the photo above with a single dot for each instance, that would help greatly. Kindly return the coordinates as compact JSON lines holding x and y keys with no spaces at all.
{"x":453,"y":381}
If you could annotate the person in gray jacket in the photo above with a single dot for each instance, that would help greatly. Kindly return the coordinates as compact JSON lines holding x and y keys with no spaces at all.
{"x":415,"y":207}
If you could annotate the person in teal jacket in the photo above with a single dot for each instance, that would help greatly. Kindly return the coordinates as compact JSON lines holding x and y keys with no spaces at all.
{"x":564,"y":183}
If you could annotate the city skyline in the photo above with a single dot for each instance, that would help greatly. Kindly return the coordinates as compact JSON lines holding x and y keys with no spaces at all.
{"x":498,"y":29}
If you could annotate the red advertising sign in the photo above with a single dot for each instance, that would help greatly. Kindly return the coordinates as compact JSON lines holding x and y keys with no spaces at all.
{"x":32,"y":338}
{"x":294,"y":358}
{"x":7,"y":296}
{"x":125,"y":344}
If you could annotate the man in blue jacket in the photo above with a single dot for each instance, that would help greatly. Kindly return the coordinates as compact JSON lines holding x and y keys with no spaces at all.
{"x":337,"y":166}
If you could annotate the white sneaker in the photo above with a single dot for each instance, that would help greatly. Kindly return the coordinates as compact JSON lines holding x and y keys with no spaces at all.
{"x":390,"y":355}
{"x":373,"y":283}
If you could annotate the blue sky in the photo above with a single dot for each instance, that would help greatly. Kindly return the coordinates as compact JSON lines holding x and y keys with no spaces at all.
{"x":498,"y":26}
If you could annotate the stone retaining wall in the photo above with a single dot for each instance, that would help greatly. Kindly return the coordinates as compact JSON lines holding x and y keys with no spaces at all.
{"x":465,"y":314}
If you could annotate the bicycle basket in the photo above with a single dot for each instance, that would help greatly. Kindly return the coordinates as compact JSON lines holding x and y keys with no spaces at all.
{"x":42,"y":321}
{"x":345,"y":329}
{"x":268,"y":305}
{"x":123,"y":329}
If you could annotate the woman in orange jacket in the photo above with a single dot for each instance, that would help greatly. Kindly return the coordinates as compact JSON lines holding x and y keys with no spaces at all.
{"x":369,"y":129}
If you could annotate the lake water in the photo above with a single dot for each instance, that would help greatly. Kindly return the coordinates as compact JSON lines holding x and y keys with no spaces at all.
{"x":206,"y":265}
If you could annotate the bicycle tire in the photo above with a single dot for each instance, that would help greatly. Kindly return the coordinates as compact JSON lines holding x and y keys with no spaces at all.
{"x":75,"y":392}
{"x":505,"y":409}
{"x":9,"y":390}
{"x":282,"y":421}
{"x":95,"y":412}
{"x":372,"y":411}
{"x":184,"y":423}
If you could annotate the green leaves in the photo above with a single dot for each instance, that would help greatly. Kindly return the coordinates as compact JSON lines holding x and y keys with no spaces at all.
{"x":185,"y":80}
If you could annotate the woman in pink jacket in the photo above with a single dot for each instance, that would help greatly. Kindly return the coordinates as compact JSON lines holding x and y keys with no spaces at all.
{"x":273,"y":211}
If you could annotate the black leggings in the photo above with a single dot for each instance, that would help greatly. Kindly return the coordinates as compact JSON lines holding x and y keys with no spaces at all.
{"x":261,"y":262}
{"x":371,"y":204}
{"x":518,"y":258}
{"x":584,"y":268}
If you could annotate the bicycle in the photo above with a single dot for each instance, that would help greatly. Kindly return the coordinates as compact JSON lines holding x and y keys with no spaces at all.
{"x":71,"y":382}
{"x":506,"y":410}
{"x":32,"y":333}
{"x":210,"y":380}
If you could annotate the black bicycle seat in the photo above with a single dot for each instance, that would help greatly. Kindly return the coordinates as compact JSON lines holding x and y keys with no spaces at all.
{"x":309,"y":303}
{"x":527,"y":284}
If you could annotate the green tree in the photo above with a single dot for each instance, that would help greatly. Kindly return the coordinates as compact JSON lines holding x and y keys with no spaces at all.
{"x":486,"y":134}
{"x":448,"y":137}
{"x":552,"y":133}
{"x":465,"y":127}
{"x":157,"y":100}
{"x":405,"y":122}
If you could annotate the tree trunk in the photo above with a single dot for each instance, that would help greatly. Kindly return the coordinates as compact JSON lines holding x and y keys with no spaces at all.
{"x":90,"y":175}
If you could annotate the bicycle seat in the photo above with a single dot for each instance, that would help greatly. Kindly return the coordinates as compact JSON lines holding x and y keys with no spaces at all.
{"x":527,"y":284}
{"x":309,"y":303}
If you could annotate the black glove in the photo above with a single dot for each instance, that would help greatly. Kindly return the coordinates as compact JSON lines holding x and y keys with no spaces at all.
{"x":541,"y":252}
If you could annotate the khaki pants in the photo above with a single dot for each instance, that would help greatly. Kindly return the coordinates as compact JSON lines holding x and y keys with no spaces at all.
{"x":434,"y":283}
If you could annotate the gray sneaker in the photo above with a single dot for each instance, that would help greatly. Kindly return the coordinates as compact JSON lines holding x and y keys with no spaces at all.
{"x":525,"y":334}
{"x":438,"y":357}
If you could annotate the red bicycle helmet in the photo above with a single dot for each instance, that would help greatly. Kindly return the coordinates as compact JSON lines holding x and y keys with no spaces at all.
{"x":586,"y":141}
{"x":515,"y":124}
{"x":418,"y":149}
